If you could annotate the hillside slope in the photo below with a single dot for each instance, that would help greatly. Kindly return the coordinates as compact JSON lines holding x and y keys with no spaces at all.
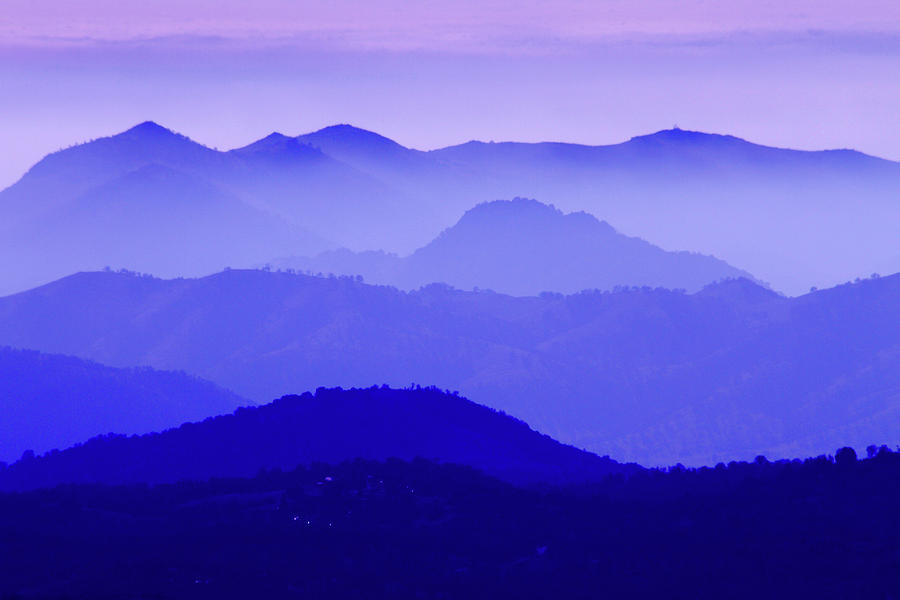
{"x":50,"y":401}
{"x":332,"y":426}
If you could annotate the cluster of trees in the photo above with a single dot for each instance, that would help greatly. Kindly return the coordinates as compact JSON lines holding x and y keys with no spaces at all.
{"x":308,"y":272}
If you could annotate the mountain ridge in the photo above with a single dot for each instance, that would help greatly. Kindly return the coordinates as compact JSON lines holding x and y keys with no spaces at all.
{"x":793,"y":218}
{"x":676,"y":135}
{"x":524,"y":247}
{"x":51,"y":401}
{"x":330,"y":426}
{"x":653,"y":376}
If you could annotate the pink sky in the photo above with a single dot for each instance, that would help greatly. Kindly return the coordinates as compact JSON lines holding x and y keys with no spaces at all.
{"x":432,"y":23}
{"x":798,"y":73}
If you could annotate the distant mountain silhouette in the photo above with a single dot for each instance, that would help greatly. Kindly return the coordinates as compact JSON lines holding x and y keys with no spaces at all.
{"x":63,"y":176}
{"x":523,"y":247}
{"x":309,"y":188}
{"x":331,"y":426}
{"x":159,"y":220}
{"x":412,"y":171}
{"x":792,"y":218}
{"x":152,"y":200}
{"x":147,"y":199}
{"x":279,"y":147}
{"x":647,"y":375}
{"x":354,"y":145}
{"x":795,"y":219}
{"x":50,"y":401}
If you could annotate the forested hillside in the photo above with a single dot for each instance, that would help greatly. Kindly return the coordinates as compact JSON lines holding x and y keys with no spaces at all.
{"x":331,"y":426}
{"x":820,"y":528}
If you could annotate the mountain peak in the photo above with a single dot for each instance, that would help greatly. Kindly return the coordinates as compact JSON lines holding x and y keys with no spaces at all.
{"x":523,"y":247}
{"x":151,"y":134}
{"x":148,"y":128}
{"x":346,"y":134}
{"x":529,"y":209}
{"x":739,"y":289}
{"x":684,"y":136}
{"x":275,"y":136}
{"x":278,"y":143}
{"x":517,"y":204}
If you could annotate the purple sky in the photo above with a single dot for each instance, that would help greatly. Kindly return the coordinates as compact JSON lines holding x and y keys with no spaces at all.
{"x":798,"y":73}
{"x":431,"y":23}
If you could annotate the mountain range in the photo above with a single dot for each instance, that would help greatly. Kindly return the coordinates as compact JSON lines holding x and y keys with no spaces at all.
{"x":155,"y":201}
{"x":50,"y":401}
{"x":793,"y":218}
{"x":647,"y":375}
{"x":524,"y":247}
{"x":331,"y":426}
{"x":151,"y":200}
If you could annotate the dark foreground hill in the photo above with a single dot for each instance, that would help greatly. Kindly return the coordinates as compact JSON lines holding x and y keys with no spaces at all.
{"x":331,"y":426}
{"x":523,"y":247}
{"x":652,"y":376}
{"x":822,"y":528}
{"x":50,"y":401}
